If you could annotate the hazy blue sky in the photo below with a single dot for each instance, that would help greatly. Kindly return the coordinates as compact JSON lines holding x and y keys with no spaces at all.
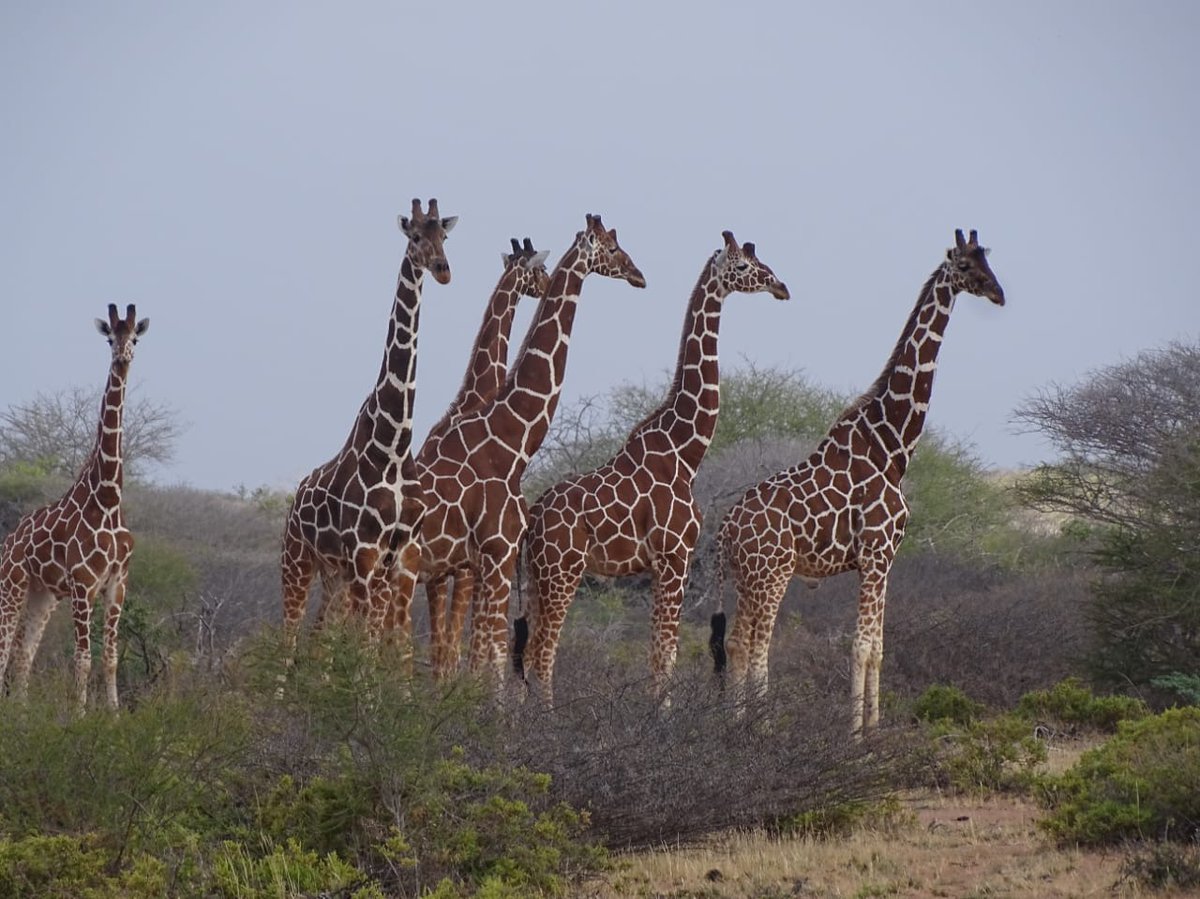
{"x":236,"y":168}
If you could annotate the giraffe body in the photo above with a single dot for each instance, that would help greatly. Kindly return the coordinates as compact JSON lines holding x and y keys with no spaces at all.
{"x":77,"y":548}
{"x":843,"y":508}
{"x":476,"y":513}
{"x":524,"y":274}
{"x":637,"y":512}
{"x":354,"y":519}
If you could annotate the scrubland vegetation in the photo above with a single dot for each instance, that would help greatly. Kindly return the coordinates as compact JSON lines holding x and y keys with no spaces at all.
{"x":1032,"y":617}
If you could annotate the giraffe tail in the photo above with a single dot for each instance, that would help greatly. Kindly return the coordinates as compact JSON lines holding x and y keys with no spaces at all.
{"x":521,"y":624}
{"x":716,"y":636}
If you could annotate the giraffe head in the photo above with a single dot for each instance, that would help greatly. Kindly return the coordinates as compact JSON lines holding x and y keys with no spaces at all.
{"x":739,"y":271}
{"x":528,"y":268}
{"x":600,"y":253}
{"x":122,"y":333}
{"x":966,"y":262}
{"x":426,"y":232}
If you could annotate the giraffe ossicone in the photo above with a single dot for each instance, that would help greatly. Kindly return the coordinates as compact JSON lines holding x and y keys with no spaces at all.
{"x":77,"y":548}
{"x":637,"y":511}
{"x":842,"y":509}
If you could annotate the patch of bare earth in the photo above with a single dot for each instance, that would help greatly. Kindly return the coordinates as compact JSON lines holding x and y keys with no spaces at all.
{"x":944,"y":847}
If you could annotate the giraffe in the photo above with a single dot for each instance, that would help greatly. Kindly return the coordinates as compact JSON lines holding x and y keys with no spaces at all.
{"x":77,"y":547}
{"x":354,"y":519}
{"x":636,"y":512}
{"x":523,"y":274}
{"x":842,"y":509}
{"x":476,"y":513}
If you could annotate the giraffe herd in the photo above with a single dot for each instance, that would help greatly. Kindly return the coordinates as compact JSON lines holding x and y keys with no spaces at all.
{"x":377,"y":518}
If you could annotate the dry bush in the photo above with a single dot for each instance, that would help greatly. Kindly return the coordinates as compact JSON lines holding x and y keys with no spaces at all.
{"x":648,"y":775}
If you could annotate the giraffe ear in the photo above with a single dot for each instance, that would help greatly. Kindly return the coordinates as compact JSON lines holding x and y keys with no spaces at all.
{"x":538,"y":258}
{"x":142,"y":327}
{"x":449,"y":222}
{"x":505,"y":259}
{"x":402,"y":222}
{"x":987,"y":251}
{"x":950,"y":255}
{"x":721,"y":257}
{"x":103,"y":327}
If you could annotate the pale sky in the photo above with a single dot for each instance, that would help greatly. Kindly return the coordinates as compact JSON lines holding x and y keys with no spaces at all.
{"x":235,"y":170}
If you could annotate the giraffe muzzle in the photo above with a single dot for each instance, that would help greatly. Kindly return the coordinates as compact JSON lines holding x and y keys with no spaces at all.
{"x":780,"y":292}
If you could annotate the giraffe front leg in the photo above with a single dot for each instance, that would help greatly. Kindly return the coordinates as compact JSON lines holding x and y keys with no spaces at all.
{"x":670,"y":578}
{"x":489,"y":625}
{"x":81,"y":614}
{"x":112,"y":624}
{"x":435,"y":594}
{"x":867,"y":649}
{"x":460,"y":603}
{"x":402,"y":586}
{"x":38,"y":607}
{"x":14,"y":589}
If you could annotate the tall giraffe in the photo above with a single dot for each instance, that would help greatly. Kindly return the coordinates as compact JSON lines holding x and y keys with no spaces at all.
{"x":77,"y":547}
{"x":842,"y":509}
{"x":354,"y":519}
{"x":476,"y":513}
{"x":636,"y":512}
{"x":524,"y":274}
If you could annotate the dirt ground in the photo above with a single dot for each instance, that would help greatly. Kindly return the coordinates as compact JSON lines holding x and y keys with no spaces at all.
{"x":941,"y":847}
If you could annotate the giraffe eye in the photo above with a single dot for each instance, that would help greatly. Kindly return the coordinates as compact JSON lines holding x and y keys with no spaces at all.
{"x":742,"y":266}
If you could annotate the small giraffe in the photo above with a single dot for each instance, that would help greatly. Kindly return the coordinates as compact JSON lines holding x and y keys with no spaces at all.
{"x":77,"y":547}
{"x":353,"y":519}
{"x":524,"y":274}
{"x":637,"y":512}
{"x":842,"y":509}
{"x":476,"y":512}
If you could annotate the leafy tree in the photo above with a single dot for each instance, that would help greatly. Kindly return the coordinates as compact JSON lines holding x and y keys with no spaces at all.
{"x":1129,"y":470}
{"x":56,"y":431}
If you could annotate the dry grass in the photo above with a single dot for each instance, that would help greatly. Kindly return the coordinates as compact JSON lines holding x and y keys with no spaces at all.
{"x":946,"y":848}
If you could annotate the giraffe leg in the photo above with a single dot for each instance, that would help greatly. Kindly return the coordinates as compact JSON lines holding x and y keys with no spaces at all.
{"x":750,"y":644}
{"x":552,"y":590}
{"x":14,"y":587}
{"x":298,"y":565}
{"x":460,"y":603}
{"x":435,"y":595}
{"x":38,"y":607}
{"x":112,"y":625}
{"x":401,"y":587}
{"x":489,"y":625}
{"x":867,"y":648}
{"x":670,"y":578}
{"x":81,"y":613}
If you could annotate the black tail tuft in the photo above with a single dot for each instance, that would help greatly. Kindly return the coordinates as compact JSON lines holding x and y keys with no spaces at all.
{"x":716,"y":642}
{"x":520,"y":638}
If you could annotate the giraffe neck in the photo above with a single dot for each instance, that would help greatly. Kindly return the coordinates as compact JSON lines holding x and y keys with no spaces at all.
{"x":689,"y":413}
{"x":382,"y":434}
{"x":530,"y":393}
{"x":488,"y":363}
{"x":104,"y":473}
{"x":895,"y":407}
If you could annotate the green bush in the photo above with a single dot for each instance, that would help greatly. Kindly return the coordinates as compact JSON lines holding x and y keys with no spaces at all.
{"x":1143,"y":782}
{"x":63,"y":867}
{"x":943,"y":703}
{"x":1071,"y":704}
{"x":995,"y":754}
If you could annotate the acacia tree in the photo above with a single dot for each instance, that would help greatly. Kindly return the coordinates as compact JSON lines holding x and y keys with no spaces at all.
{"x":56,"y":432}
{"x":1128,"y":438}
